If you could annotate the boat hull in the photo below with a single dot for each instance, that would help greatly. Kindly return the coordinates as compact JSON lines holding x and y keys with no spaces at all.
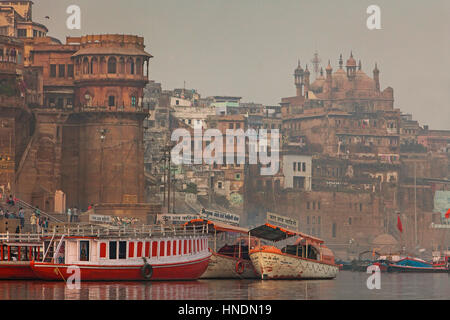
{"x":225,"y":267}
{"x":16,"y":270}
{"x":394,"y":268}
{"x":187,"y":270}
{"x":274,"y":265}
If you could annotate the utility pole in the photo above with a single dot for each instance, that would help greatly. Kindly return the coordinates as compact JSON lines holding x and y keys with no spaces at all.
{"x":168,"y":181}
{"x":174,"y":189}
{"x":102,"y":140}
{"x":415,"y":204}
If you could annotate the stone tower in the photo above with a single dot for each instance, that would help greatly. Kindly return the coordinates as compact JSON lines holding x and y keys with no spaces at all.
{"x":103,"y":136}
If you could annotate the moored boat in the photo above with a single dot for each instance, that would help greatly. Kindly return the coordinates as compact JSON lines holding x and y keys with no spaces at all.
{"x":230,"y":261}
{"x":16,"y":253}
{"x":307,"y":258}
{"x":150,"y":253}
{"x":410,"y":264}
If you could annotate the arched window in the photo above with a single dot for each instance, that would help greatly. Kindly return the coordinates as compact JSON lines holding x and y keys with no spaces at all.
{"x":138,"y":66}
{"x":122,"y":65}
{"x":112,"y":65}
{"x":130,"y":66}
{"x":94,"y":66}
{"x":85,"y":66}
{"x":102,"y":65}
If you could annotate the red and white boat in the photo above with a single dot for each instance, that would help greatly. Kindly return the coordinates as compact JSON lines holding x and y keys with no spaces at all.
{"x":230,"y":261}
{"x":151,"y":253}
{"x":307,"y":258}
{"x":16,"y":253}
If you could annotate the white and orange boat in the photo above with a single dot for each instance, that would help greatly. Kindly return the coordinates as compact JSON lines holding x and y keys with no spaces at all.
{"x":151,"y":253}
{"x":230,"y":261}
{"x":16,"y":253}
{"x":307,"y":258}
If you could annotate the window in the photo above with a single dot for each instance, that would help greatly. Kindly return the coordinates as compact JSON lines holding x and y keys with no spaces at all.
{"x":307,"y":205}
{"x":154,"y":248}
{"x":53,"y":71}
{"x":147,"y":249}
{"x":22,"y":33}
{"x":35,"y":33}
{"x":219,"y":185}
{"x":350,"y":221}
{"x":60,"y":102}
{"x":175,"y":248}
{"x":162,"y":248}
{"x":294,"y":165}
{"x":169,"y":247}
{"x":111,"y":101}
{"x":103,"y":250}
{"x":62,"y":71}
{"x":139,"y":250}
{"x":304,"y":166}
{"x":131,"y":249}
{"x":133,"y":101}
{"x":334,"y":230}
{"x":70,"y":70}
{"x":84,"y":250}
{"x":112,"y":65}
{"x":122,"y":249}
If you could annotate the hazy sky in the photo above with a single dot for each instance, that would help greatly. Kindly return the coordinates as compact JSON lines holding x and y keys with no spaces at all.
{"x":250,"y":48}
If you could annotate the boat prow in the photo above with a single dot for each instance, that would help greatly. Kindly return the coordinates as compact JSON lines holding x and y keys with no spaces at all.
{"x":308,"y":258}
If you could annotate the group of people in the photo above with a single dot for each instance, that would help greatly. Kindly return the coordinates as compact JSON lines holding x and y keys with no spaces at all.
{"x":38,"y":223}
{"x":72,"y":214}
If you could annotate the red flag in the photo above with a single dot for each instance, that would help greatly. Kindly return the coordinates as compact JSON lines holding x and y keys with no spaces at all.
{"x":399,"y":224}
{"x":447,"y":215}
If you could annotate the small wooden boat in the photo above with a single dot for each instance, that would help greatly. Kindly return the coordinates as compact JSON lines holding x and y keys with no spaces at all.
{"x":16,"y":253}
{"x":230,"y":261}
{"x":409,"y":264}
{"x":151,"y":253}
{"x":307,"y":258}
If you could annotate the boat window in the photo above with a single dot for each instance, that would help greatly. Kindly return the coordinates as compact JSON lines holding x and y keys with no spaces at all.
{"x":131,"y":249}
{"x":190,"y":245}
{"x":185,"y":247}
{"x":139,"y":250}
{"x":84,"y":250}
{"x":161,"y":248}
{"x":169,"y":247}
{"x":154,"y":248}
{"x":122,"y":249}
{"x":180,"y":252}
{"x":175,"y":247}
{"x":113,"y":250}
{"x":102,"y":250}
{"x":147,"y":249}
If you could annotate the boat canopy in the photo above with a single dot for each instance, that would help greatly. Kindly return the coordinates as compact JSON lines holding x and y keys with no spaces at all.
{"x":274,"y":233}
{"x":218,"y":226}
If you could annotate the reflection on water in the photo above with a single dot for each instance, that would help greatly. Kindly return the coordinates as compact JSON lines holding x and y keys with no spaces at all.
{"x":348,"y":285}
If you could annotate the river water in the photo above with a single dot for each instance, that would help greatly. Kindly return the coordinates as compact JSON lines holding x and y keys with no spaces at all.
{"x":348,"y":285}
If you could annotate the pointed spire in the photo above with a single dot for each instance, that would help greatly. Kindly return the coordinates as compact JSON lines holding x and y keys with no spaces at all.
{"x":376,"y":68}
{"x":341,"y":62}
{"x":306,"y":70}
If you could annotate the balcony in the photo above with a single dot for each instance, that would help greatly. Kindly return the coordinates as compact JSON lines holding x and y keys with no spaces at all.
{"x":108,"y":76}
{"x":7,"y":67}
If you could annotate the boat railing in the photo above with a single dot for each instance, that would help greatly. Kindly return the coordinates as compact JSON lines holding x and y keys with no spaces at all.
{"x":144,"y":231}
{"x":19,"y":237}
